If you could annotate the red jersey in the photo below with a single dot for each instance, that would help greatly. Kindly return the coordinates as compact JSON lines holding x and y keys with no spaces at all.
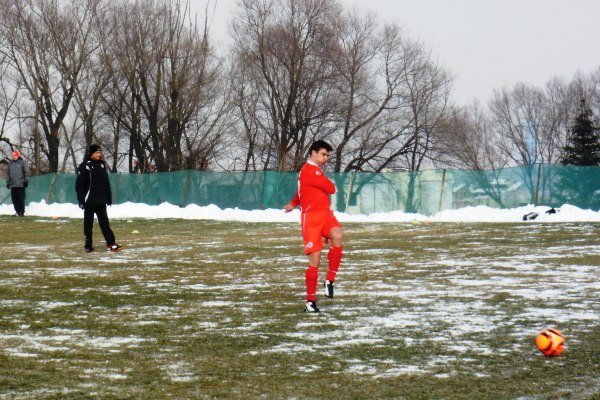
{"x":314,"y":189}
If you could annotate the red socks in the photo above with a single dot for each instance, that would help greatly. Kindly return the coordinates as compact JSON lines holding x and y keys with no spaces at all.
{"x":335,"y":258}
{"x":312,"y":281}
{"x":312,"y":273}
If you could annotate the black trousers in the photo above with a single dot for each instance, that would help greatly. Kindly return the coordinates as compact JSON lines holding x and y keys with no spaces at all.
{"x":18,"y":198}
{"x":88,"y":224}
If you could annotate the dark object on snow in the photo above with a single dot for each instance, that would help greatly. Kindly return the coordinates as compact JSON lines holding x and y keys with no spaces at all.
{"x":552,"y":211}
{"x":530,"y":216}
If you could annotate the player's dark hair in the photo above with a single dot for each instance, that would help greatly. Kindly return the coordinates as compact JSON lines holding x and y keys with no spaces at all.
{"x":318,"y":145}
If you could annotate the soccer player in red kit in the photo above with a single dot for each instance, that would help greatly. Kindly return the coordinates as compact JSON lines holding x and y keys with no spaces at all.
{"x":318,"y":222}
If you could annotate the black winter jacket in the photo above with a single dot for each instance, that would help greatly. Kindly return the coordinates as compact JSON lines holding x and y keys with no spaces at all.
{"x":92,"y":184}
{"x":18,"y":173}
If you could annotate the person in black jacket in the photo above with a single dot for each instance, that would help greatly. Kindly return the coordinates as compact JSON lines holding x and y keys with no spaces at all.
{"x":94,"y":194}
{"x":17,"y":180}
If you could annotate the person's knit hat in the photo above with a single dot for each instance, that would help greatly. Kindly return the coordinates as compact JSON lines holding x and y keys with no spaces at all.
{"x":16,"y":153}
{"x":92,"y":149}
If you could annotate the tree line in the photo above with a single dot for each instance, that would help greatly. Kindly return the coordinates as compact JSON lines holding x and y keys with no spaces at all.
{"x":147,"y":81}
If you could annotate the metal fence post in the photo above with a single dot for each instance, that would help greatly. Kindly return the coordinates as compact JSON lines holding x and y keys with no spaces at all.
{"x":442,"y":190}
{"x":537,"y":184}
{"x":51,"y":187}
{"x":350,"y":191}
{"x":186,"y":188}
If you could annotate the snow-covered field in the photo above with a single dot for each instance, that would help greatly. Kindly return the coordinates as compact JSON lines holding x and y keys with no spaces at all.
{"x":207,"y":303}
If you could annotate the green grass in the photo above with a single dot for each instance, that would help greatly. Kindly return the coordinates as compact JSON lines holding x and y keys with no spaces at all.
{"x":201,"y":309}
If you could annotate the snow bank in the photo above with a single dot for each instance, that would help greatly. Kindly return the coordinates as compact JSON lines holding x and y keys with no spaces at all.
{"x":566,"y":213}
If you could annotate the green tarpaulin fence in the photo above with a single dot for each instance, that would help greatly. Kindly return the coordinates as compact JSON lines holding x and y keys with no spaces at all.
{"x":425,"y":192}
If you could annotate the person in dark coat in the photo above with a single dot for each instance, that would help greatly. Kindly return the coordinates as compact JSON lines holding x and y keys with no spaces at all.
{"x":94,"y":194}
{"x":17,"y":180}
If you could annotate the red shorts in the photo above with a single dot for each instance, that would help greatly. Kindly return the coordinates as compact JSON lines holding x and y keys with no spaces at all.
{"x":316,"y":225}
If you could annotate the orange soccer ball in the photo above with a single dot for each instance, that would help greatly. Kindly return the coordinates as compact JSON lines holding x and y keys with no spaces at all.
{"x":550,"y":342}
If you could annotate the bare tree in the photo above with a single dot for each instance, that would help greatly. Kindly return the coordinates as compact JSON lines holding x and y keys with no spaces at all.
{"x":468,"y":141}
{"x":9,"y":106}
{"x":250,"y":143}
{"x":369,"y":75}
{"x":170,"y":73}
{"x":594,"y":95}
{"x":283,"y":46}
{"x":93,"y":80}
{"x":206,"y":135}
{"x":561,"y":101}
{"x":523,"y":118}
{"x":46,"y":43}
{"x":426,"y":86}
{"x":121,"y":112}
{"x":413,"y":93}
{"x":530,"y":126}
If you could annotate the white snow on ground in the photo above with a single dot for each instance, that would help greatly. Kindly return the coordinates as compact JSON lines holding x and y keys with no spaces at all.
{"x":26,"y":344}
{"x":567,"y":213}
{"x":459,"y":301}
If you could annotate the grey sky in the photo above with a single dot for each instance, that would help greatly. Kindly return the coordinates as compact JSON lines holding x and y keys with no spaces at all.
{"x":489,"y":44}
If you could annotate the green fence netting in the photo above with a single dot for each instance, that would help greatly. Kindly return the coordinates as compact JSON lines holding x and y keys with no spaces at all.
{"x":425,"y":192}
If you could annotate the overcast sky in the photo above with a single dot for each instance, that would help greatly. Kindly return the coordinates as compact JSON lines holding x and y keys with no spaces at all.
{"x":490,"y":44}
